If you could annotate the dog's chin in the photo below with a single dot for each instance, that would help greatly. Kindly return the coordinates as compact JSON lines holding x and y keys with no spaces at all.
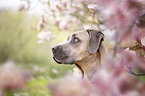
{"x":63,"y":61}
{"x":57,"y":61}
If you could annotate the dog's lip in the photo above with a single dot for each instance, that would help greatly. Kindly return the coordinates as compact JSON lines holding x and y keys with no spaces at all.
{"x":57,"y":60}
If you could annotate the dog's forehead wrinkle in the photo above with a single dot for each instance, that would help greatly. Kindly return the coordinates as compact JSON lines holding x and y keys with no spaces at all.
{"x":82,"y":34}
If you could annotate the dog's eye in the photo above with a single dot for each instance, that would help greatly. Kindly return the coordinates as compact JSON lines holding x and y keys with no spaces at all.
{"x":75,"y":40}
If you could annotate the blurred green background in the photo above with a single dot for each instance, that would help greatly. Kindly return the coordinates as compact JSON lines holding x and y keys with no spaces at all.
{"x":18,"y":44}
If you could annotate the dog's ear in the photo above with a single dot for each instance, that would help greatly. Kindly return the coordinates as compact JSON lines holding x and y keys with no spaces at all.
{"x":95,"y":40}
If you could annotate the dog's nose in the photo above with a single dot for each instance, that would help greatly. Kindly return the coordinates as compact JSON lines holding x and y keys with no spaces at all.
{"x":54,"y":49}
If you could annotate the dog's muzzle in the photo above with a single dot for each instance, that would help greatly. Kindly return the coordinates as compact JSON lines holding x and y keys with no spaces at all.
{"x":58,"y":55}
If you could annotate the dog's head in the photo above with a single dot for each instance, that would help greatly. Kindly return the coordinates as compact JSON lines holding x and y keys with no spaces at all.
{"x":78,"y":46}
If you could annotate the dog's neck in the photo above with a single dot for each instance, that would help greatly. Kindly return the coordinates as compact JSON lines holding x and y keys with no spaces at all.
{"x":91,"y":64}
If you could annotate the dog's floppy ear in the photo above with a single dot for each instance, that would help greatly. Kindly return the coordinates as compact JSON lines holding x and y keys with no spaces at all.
{"x":95,"y":40}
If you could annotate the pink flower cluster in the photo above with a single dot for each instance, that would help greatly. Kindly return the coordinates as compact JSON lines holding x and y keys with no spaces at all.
{"x":12,"y":77}
{"x":127,"y":17}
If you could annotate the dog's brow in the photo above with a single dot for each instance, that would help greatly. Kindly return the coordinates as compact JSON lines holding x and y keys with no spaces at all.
{"x":73,"y":35}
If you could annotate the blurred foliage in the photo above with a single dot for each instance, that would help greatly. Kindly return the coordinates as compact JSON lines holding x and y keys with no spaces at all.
{"x":36,"y":87}
{"x":19,"y":39}
{"x":18,"y":43}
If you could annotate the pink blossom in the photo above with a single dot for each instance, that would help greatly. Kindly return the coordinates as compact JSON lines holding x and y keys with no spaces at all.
{"x":68,"y":87}
{"x":21,"y":7}
{"x":42,"y":23}
{"x":12,"y":77}
{"x":138,"y":33}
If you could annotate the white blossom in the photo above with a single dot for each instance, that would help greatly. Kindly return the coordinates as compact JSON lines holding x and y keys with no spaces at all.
{"x":44,"y":36}
{"x":143,"y":41}
{"x":92,"y":6}
{"x":63,"y":25}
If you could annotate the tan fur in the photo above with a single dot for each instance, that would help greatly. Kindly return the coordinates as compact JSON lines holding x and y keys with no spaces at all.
{"x":90,"y":63}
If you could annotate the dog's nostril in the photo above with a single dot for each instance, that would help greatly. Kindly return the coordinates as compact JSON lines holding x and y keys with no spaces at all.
{"x":54,"y":49}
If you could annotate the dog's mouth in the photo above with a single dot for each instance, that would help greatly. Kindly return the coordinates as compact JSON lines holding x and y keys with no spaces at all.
{"x":56,"y":60}
{"x":64,"y":60}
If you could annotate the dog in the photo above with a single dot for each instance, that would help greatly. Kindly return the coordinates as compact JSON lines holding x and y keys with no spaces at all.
{"x":83,"y":48}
